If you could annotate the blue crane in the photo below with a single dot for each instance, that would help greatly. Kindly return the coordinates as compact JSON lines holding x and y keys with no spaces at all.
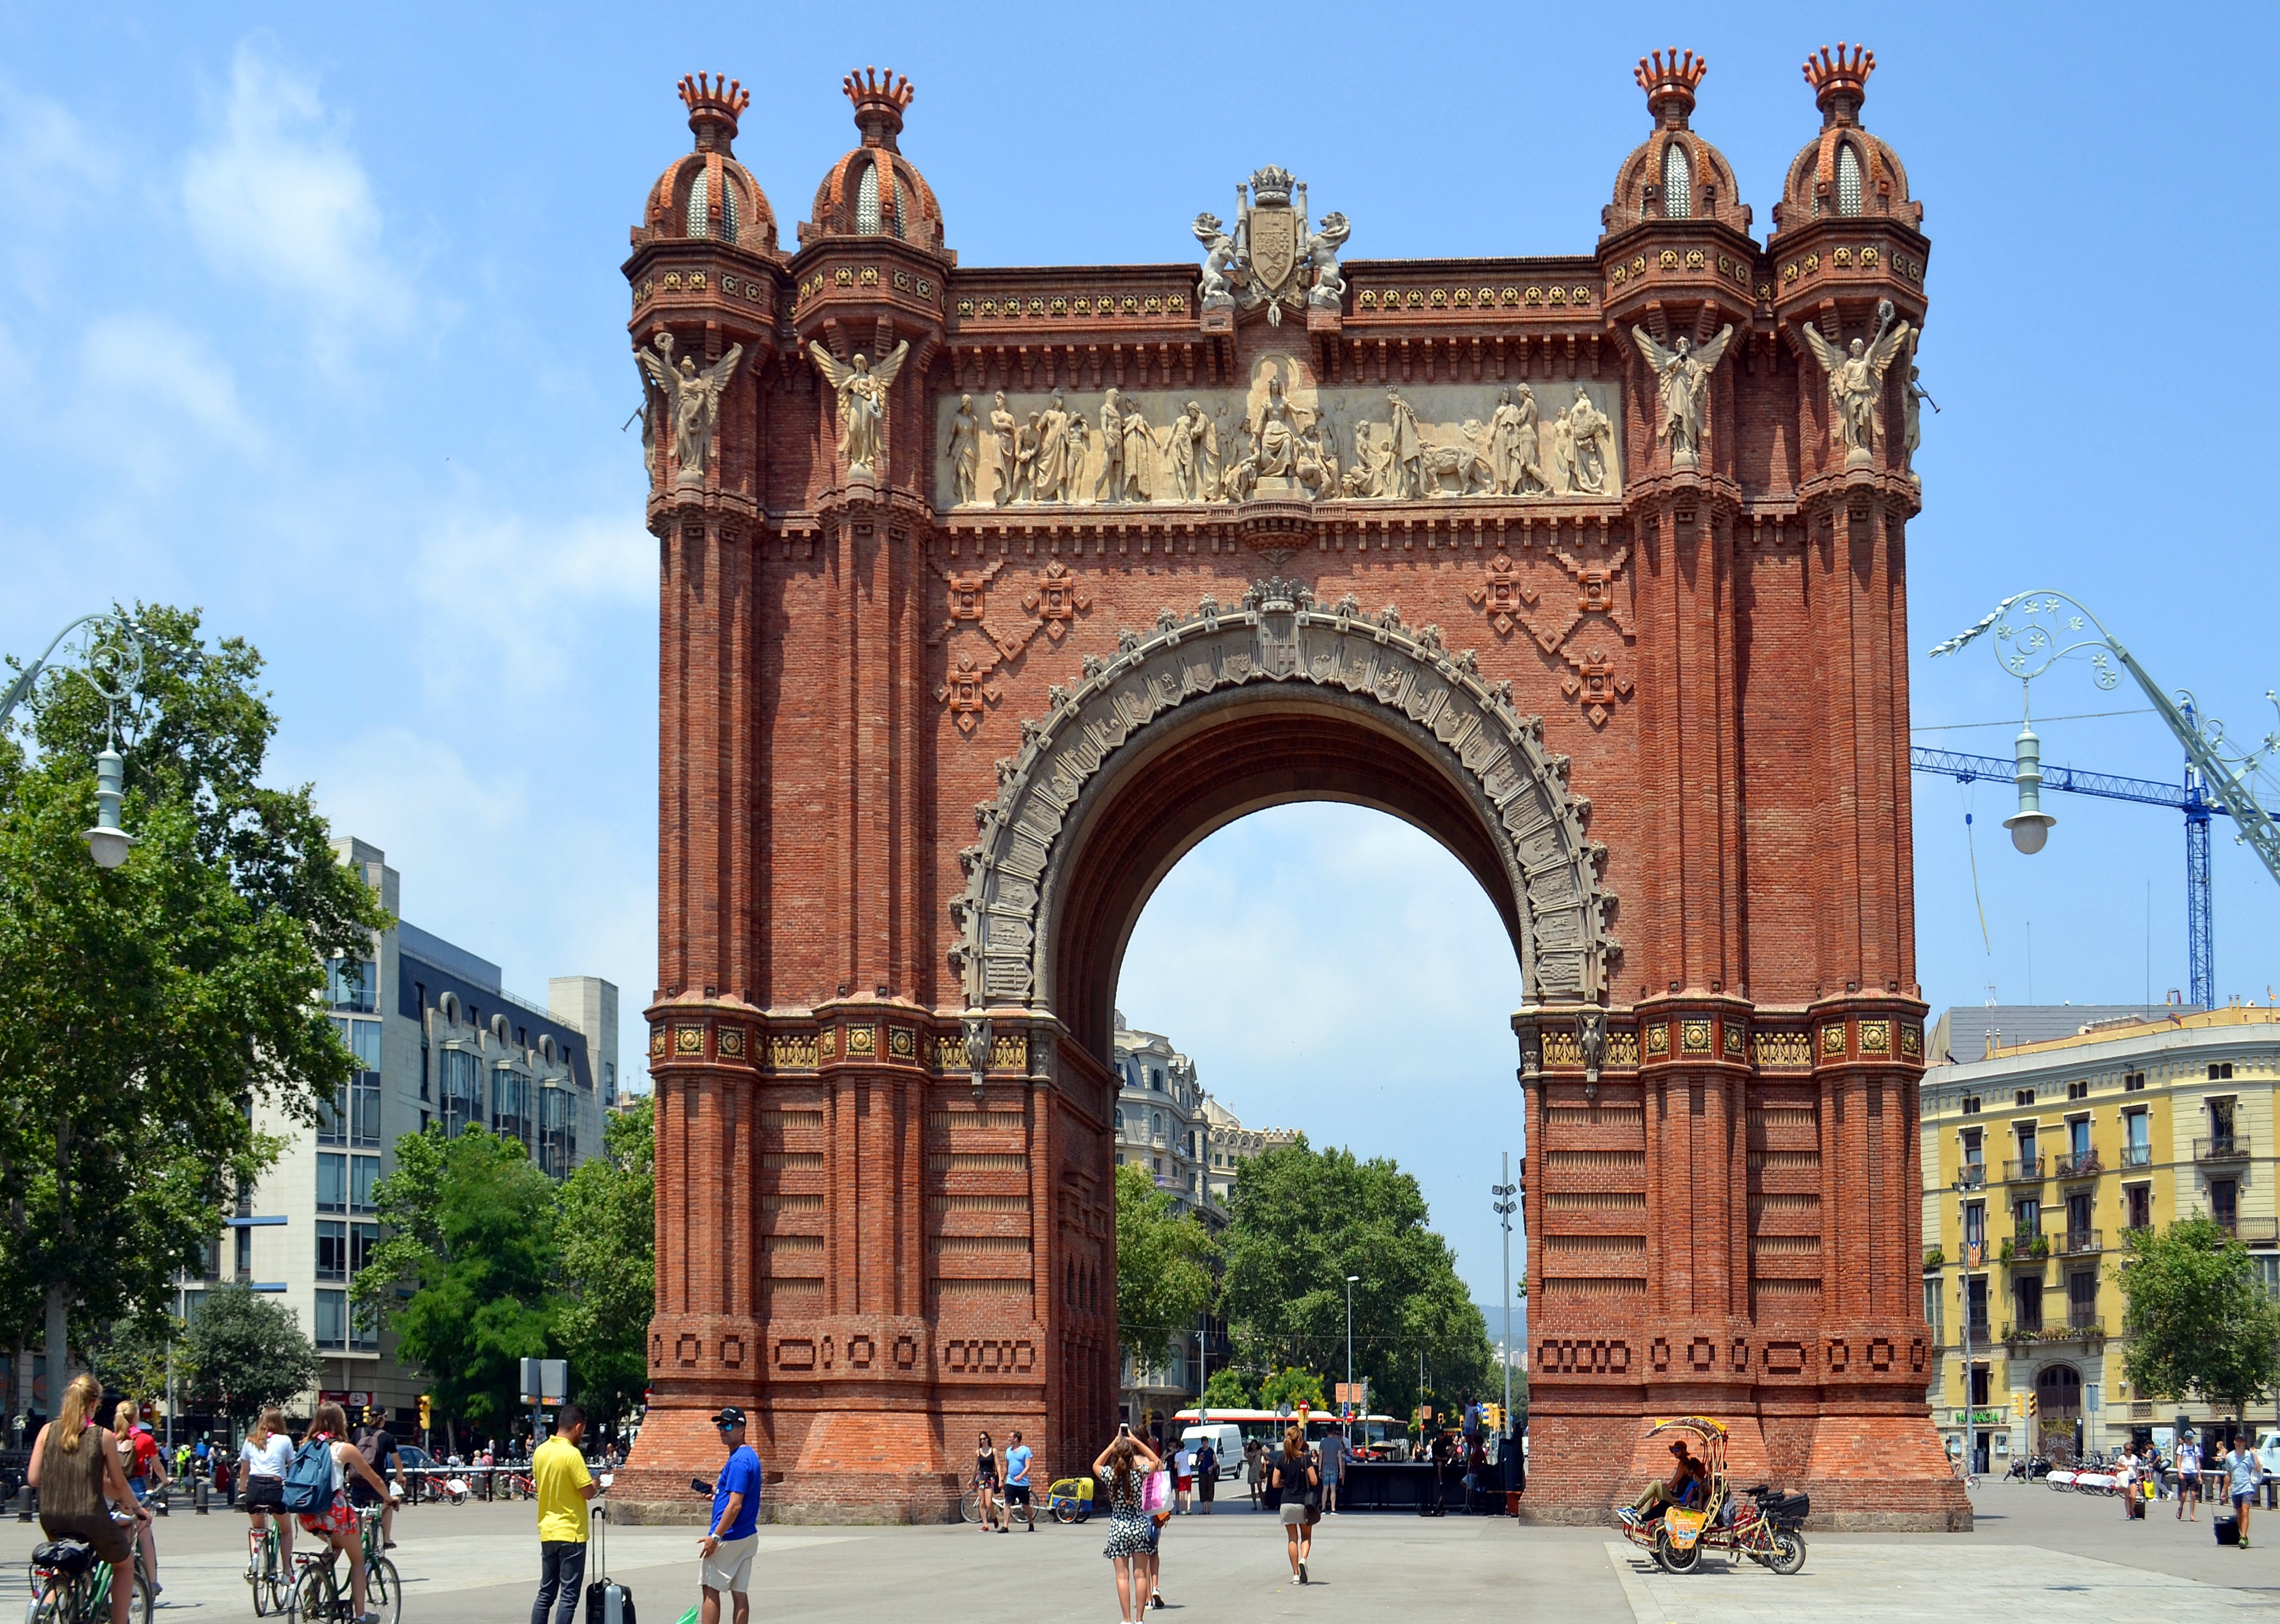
{"x":2191,"y":797}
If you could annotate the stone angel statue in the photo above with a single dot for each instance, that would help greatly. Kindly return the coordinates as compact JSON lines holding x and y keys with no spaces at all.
{"x":693,"y":398}
{"x":1682,"y":387}
{"x":862,"y":390}
{"x":1329,"y":289}
{"x":1219,"y":262}
{"x":1856,"y":380}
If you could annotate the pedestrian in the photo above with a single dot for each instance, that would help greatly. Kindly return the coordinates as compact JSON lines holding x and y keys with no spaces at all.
{"x":1183,"y":1477}
{"x":1207,"y":1475}
{"x":76,"y":1468}
{"x":1334,"y":1468}
{"x":1017,"y":1485}
{"x":266,"y":1454}
{"x":2189,"y":1478}
{"x":145,"y":1465}
{"x":1254,"y":1468}
{"x":732,"y":1533}
{"x":1123,"y":1469}
{"x":564,"y":1486}
{"x":985,"y":1481}
{"x":1297,"y":1482}
{"x":2243,"y":1474}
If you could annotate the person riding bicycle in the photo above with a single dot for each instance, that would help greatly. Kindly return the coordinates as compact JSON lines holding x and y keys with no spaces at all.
{"x":378,"y":1445}
{"x":75,"y":1465}
{"x":337,"y":1526}
{"x":145,"y":1465}
{"x":267,"y":1455}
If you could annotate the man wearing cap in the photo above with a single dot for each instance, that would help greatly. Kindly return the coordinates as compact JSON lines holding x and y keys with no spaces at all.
{"x":730,"y":1537}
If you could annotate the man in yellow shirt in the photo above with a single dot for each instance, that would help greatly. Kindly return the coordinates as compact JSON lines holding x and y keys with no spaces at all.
{"x":558,"y":1471}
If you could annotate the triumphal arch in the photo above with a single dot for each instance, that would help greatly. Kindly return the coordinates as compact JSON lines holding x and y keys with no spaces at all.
{"x":987,"y":592}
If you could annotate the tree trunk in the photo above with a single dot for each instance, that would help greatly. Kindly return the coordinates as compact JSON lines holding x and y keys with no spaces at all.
{"x":59,"y":1354}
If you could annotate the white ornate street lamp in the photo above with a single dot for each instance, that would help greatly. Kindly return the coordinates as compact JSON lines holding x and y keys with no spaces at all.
{"x":110,"y":663}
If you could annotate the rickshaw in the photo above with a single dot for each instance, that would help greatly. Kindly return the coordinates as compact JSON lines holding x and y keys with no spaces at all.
{"x":1766,"y":1530}
{"x":1070,"y":1499}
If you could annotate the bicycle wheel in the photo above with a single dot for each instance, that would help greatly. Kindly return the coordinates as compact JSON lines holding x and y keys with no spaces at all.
{"x":53,"y":1604}
{"x":313,"y":1594}
{"x":1788,"y":1551}
{"x":278,"y":1580}
{"x":256,"y":1580}
{"x":1674,"y":1559}
{"x":139,"y":1604}
{"x":969,"y":1509}
{"x":384,"y":1591}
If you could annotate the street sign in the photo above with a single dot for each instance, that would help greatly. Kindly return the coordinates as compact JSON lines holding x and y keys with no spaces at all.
{"x":545,"y":1382}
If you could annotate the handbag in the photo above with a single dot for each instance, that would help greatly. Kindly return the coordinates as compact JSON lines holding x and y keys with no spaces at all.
{"x":1156,"y":1493}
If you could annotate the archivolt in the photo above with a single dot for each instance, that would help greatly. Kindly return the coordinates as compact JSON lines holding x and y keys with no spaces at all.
{"x":1278,"y":636}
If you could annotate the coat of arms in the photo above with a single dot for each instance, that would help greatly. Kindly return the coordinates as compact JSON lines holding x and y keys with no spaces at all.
{"x":1272,"y":259}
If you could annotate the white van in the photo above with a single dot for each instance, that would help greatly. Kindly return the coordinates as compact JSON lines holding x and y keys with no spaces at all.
{"x":1225,"y":1438}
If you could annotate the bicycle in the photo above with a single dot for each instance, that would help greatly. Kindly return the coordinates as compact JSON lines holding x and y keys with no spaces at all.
{"x":71,"y":1587}
{"x":316,"y":1589}
{"x":264,"y":1574}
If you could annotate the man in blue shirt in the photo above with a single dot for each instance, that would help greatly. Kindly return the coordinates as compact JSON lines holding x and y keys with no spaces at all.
{"x":734,"y":1533}
{"x":1017,"y":1485}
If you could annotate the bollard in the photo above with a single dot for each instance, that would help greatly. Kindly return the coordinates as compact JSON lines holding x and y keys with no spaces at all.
{"x":200,"y":1497}
{"x":24,"y":1498}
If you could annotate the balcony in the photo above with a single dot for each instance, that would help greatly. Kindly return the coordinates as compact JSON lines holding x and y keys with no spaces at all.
{"x":2136,"y":1155}
{"x":2026,"y":1246}
{"x":2027,"y":1170}
{"x":2077,"y":1242}
{"x":2221,"y":1148}
{"x":2081,"y":1164}
{"x":2257,"y":1231}
{"x":1973,"y":1175}
{"x":2084,"y":1329}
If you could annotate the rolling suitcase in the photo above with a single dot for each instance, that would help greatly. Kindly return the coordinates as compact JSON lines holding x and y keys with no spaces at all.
{"x":2227,"y":1529}
{"x":607,"y":1602}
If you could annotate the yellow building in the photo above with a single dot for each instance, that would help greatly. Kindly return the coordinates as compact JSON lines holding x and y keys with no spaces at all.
{"x":2066,"y":1127}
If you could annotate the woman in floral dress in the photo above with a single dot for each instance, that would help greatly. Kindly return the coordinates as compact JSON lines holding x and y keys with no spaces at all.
{"x":1122,"y":1471}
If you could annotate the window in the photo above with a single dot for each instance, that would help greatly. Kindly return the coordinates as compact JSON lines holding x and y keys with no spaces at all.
{"x":2081,"y":1299}
{"x":2268,"y":1270}
{"x":352,"y":983}
{"x":1156,"y":1125}
{"x":2224,"y":1201}
{"x":2133,"y":1083}
{"x":1977,"y":1297}
{"x":1974,"y":1223}
{"x":2022,"y":1097}
{"x":1677,"y":182}
{"x":1971,"y":1104}
{"x":364,"y":1111}
{"x":364,"y":1173}
{"x":363,"y":1238}
{"x":1119,"y":1119}
{"x":2027,"y":1291}
{"x":2138,"y":1203}
{"x":1975,"y":1147}
{"x":333,"y":1319}
{"x":423,"y":1069}
{"x":363,"y":1331}
{"x":462,"y":1090}
{"x":2078,"y":1091}
{"x":1848,"y":180}
{"x":2079,"y":1217}
{"x":332,"y":1120}
{"x":244,"y":1257}
{"x":332,"y":1183}
{"x":2136,"y":1151}
{"x":1157,"y":1163}
{"x":2219,"y":1071}
{"x":2078,"y":1139}
{"x":867,"y":200}
{"x":1934,"y":1303}
{"x":511,"y":1114}
{"x":332,"y":1250}
{"x":2029,"y":1215}
{"x":700,"y":219}
{"x":558,"y":1132}
{"x":2030,"y":1162}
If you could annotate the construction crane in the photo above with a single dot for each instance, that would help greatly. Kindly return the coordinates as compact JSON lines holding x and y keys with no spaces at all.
{"x":2190,"y":798}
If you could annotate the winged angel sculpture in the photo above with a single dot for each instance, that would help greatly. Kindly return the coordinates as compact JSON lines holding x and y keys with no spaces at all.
{"x":1681,"y":377}
{"x":1856,"y":380}
{"x":693,"y":398}
{"x":862,"y":390}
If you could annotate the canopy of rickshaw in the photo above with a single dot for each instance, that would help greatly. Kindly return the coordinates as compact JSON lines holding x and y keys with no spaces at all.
{"x":1701,"y":1424}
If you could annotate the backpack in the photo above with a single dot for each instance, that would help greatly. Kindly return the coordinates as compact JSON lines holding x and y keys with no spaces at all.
{"x":309,"y":1481}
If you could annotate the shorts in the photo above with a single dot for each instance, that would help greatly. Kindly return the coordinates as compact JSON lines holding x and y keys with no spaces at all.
{"x":2240,"y":1500}
{"x":729,"y":1567}
{"x":340,"y":1520}
{"x":1293,"y":1512}
{"x":112,"y":1542}
{"x":1017,"y":1494}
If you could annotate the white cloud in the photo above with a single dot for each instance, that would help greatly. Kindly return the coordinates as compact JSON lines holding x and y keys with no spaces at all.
{"x":279,"y":199}
{"x":48,"y":165}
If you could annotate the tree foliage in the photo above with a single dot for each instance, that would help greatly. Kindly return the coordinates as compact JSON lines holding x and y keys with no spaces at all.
{"x":1163,"y":1268}
{"x":129,"y":1356}
{"x":467,"y":1272}
{"x":1291,"y":1386}
{"x":2198,"y":1322}
{"x":241,"y":1351}
{"x":1300,"y":1220}
{"x":143,"y":1008}
{"x":608,"y":1228}
{"x":1230,"y":1387}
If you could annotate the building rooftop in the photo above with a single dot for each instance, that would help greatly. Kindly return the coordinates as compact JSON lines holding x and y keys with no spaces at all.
{"x":1972,"y":1032}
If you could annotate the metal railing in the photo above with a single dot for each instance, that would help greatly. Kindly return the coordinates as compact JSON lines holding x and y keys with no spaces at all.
{"x":2136,"y":1155}
{"x":2256,"y":1231}
{"x":2221,"y":1148}
{"x":1973,"y":1175}
{"x":2080,"y":1165}
{"x":2075,"y":1241}
{"x":2026,"y":1170}
{"x":2077,"y":1328}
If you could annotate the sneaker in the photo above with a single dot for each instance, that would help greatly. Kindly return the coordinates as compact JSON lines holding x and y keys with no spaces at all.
{"x":1294,"y":1579}
{"x":1302,"y":1573}
{"x":1157,"y":1600}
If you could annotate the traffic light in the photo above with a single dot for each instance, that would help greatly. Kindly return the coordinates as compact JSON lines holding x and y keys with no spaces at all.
{"x":424,"y":1422}
{"x":2019,"y":1406}
{"x":2031,"y":1406}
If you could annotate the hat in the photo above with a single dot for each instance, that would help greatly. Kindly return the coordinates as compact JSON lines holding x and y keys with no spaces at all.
{"x":729,"y":1416}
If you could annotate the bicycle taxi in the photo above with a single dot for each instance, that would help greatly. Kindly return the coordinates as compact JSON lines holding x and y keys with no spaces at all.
{"x":1765,"y":1529}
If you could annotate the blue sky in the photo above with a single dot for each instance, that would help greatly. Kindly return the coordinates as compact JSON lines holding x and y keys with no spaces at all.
{"x":312,"y":316}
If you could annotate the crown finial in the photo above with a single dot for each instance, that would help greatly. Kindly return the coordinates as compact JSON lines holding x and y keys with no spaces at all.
{"x":1271,"y":186}
{"x":714,"y":103}
{"x":1840,"y":81}
{"x":1669,"y":83}
{"x":880,"y":100}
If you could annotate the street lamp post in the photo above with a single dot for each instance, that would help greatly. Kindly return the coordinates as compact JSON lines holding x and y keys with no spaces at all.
{"x":1505,"y":1206}
{"x":109,"y":663}
{"x":1351,"y":1279}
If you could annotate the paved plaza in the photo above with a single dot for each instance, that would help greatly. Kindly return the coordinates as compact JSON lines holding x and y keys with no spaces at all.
{"x":2052,"y":1558}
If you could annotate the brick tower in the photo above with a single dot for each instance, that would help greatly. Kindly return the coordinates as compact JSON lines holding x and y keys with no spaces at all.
{"x":987,"y":592}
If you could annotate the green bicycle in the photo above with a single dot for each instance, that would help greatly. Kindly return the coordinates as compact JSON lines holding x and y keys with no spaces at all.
{"x":69,"y":1586}
{"x":264,"y":1571}
{"x":317,"y":1597}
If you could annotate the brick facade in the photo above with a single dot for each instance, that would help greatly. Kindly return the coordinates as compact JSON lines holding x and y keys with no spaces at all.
{"x":920,"y":763}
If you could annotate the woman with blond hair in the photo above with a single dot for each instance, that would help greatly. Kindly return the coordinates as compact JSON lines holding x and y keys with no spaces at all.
{"x":74,"y":1466}
{"x":264,"y":1459}
{"x":337,"y":1526}
{"x":1298,"y":1481}
{"x":1122,"y":1470}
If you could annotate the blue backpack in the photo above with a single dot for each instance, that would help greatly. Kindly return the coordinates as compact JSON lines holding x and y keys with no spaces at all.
{"x":309,"y":1480}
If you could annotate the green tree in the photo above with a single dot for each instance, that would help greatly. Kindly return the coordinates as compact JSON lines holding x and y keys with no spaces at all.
{"x":1291,"y":1386}
{"x":1300,"y":1220}
{"x":241,"y":1351}
{"x":129,"y":1356}
{"x":2196,"y":1321}
{"x":467,"y":1268}
{"x":143,"y":1010}
{"x":1231,"y":1389}
{"x":608,"y":1229}
{"x":1163,"y":1268}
